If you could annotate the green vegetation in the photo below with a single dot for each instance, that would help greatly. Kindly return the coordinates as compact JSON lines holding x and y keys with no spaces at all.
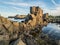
{"x":50,"y":16}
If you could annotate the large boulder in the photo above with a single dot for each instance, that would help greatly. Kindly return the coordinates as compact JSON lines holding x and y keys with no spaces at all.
{"x":33,"y":21}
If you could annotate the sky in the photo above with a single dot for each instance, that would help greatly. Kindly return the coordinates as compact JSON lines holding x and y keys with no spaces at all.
{"x":13,"y":7}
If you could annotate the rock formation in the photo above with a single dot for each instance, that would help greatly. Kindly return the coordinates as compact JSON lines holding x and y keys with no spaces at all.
{"x":16,"y":30}
{"x":45,"y":18}
{"x":18,"y":16}
{"x":38,"y":12}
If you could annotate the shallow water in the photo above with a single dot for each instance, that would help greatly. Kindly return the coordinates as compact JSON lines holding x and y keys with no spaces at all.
{"x":52,"y":30}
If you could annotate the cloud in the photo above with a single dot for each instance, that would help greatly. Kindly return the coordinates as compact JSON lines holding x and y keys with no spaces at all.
{"x":43,"y":5}
{"x":16,"y":8}
{"x":54,"y":12}
{"x":20,"y":4}
{"x":53,"y":1}
{"x":21,"y":10}
{"x":6,"y":14}
{"x":15,"y":3}
{"x":18,"y":11}
{"x":25,"y":3}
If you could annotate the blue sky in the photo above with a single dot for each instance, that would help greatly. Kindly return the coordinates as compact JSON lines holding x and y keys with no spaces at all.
{"x":13,"y":7}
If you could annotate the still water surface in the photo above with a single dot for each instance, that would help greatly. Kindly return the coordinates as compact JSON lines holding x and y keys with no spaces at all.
{"x":52,"y":30}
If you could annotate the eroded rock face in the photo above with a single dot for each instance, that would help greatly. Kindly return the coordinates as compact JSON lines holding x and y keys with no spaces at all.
{"x":33,"y":21}
{"x":14,"y":30}
{"x":19,"y":42}
{"x":38,"y":12}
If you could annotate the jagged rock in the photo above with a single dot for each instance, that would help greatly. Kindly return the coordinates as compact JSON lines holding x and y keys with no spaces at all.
{"x":38,"y":12}
{"x":45,"y":23}
{"x":4,"y":40}
{"x":45,"y":17}
{"x":16,"y":26}
{"x":20,"y":16}
{"x":31,"y":42}
{"x":19,"y":42}
{"x":30,"y":22}
{"x":32,"y":9}
{"x":14,"y":30}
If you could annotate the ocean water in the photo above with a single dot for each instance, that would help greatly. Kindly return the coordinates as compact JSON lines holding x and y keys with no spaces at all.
{"x":52,"y":30}
{"x":16,"y":20}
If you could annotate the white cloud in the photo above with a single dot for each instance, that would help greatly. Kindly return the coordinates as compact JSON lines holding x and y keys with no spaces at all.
{"x":53,"y":1}
{"x":21,"y":10}
{"x":56,"y":11}
{"x":17,"y":9}
{"x":25,"y":4}
{"x":53,"y":12}
{"x":6,"y":14}
{"x":15,"y":3}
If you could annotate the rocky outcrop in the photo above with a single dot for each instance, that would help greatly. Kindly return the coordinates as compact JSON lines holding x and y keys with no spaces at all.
{"x":38,"y":12}
{"x":18,"y":16}
{"x":30,"y":28}
{"x":19,"y":42}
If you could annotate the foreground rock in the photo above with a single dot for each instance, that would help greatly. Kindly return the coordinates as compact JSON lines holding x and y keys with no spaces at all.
{"x":19,"y":42}
{"x":27,"y":32}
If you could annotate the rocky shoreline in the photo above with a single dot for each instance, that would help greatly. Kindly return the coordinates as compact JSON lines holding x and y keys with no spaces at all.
{"x":28,"y":32}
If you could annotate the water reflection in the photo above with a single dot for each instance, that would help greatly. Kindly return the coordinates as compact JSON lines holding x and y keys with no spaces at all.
{"x":53,"y":30}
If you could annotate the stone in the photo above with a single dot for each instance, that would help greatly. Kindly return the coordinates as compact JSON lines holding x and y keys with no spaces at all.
{"x":32,"y":9}
{"x":3,"y":31}
{"x":4,"y":37}
{"x":16,"y":26}
{"x":33,"y":21}
{"x":15,"y":29}
{"x":45,"y":23}
{"x":19,"y":42}
{"x":20,"y":16}
{"x":45,"y":16}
